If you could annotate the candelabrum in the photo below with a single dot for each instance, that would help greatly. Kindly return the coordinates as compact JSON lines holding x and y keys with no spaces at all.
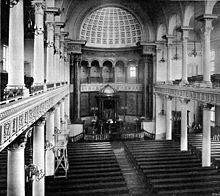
{"x":31,"y":171}
{"x":50,"y":44}
{"x":49,"y":145}
{"x":38,"y":31}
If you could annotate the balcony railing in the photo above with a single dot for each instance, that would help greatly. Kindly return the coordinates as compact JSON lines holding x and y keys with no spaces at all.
{"x":16,"y":117}
{"x":204,"y":95}
{"x":117,"y":86}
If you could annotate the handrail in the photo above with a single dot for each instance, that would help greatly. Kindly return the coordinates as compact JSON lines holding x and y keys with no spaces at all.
{"x":149,"y":134}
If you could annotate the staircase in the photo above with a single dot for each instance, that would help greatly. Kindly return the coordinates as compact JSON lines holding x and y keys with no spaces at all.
{"x":93,"y":170}
{"x":168,"y":171}
{"x":195,"y":144}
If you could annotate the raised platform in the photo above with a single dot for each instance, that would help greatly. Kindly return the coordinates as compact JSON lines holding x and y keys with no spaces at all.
{"x":114,"y":136}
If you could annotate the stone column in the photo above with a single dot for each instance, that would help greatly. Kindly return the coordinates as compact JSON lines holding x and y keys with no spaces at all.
{"x":207,"y":28}
{"x":168,"y":118}
{"x":114,"y":74}
{"x":89,"y":72}
{"x":62,"y":114}
{"x":67,"y":106}
{"x":16,"y":48}
{"x":50,"y":52}
{"x":76,"y":87}
{"x":50,"y":142}
{"x":62,"y":55}
{"x":184,"y":139}
{"x":160,"y":132}
{"x":38,"y":70}
{"x":57,"y":54}
{"x":206,"y":136}
{"x":66,"y":64}
{"x":146,"y":101}
{"x":101,"y":77}
{"x":169,"y":39}
{"x":16,"y":167}
{"x":62,"y":68}
{"x":185,"y":36}
{"x":217,"y":116}
{"x":38,"y":156}
{"x":126,"y":73}
{"x":57,"y":116}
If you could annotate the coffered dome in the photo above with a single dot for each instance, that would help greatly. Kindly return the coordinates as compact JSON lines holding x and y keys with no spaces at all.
{"x":111,"y":27}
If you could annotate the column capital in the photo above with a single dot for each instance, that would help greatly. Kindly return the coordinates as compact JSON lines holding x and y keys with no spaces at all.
{"x":39,"y":6}
{"x":185,"y":31}
{"x":40,"y":122}
{"x":168,"y":97}
{"x":207,"y":19}
{"x":51,"y":110}
{"x":184,"y":101}
{"x":20,"y":141}
{"x":50,"y":25}
{"x":58,"y":104}
{"x":52,"y":10}
{"x":207,"y":106}
{"x":168,"y":38}
{"x":13,"y":3}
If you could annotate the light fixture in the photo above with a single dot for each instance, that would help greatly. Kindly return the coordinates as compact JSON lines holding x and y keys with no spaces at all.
{"x":162,"y":60}
{"x":176,"y":54}
{"x":38,"y":31}
{"x":11,"y":3}
{"x":162,"y":112}
{"x":48,"y":145}
{"x":50,"y":44}
{"x":193,"y":52}
{"x":31,"y":171}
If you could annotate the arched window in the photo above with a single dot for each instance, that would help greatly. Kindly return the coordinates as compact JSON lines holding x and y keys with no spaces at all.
{"x":133,"y":71}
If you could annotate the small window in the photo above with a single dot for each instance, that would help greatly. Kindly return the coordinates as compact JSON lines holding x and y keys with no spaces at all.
{"x":212,"y":68}
{"x":133,"y":71}
{"x":4,"y":59}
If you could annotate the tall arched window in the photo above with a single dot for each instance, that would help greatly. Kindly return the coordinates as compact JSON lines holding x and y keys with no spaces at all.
{"x":133,"y":71}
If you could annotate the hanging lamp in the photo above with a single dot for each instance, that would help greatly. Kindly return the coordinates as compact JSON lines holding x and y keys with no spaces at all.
{"x":176,"y":54}
{"x":162,"y":60}
{"x":194,"y":52}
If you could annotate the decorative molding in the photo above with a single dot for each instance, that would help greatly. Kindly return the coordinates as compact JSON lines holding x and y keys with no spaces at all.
{"x":204,"y":95}
{"x":118,"y":87}
{"x":16,"y":117}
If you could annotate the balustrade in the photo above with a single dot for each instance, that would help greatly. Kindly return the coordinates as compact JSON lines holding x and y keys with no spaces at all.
{"x":16,"y":117}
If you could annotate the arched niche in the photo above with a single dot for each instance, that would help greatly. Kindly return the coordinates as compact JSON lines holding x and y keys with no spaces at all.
{"x":132,"y":72}
{"x":107,"y":72}
{"x":84,"y":72}
{"x":174,"y":22}
{"x":95,"y":72}
{"x":161,"y":31}
{"x":120,"y":71}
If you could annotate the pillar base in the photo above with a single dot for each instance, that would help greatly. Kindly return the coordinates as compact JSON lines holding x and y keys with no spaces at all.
{"x":205,"y":84}
{"x":183,"y":83}
{"x":169,"y":82}
{"x":26,"y":92}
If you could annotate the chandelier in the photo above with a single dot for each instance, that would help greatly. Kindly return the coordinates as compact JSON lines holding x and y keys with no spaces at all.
{"x":162,"y":60}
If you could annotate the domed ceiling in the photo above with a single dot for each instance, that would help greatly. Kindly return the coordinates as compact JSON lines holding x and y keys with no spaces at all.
{"x":111,"y":27}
